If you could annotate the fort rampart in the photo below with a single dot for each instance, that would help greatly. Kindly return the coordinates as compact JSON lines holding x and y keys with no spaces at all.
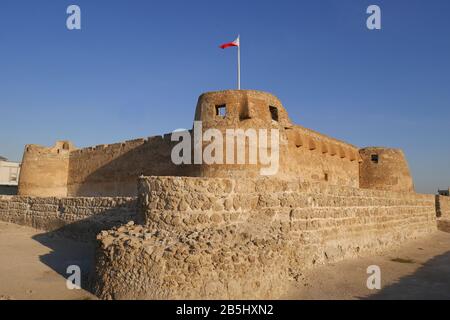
{"x":247,"y":238}
{"x":103,"y":170}
{"x":443,"y":212}
{"x":79,"y":218}
{"x":443,"y":207}
{"x":226,"y":238}
{"x":111,"y":170}
{"x":222,"y":230}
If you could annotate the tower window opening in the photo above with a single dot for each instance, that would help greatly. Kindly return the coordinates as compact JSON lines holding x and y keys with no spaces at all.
{"x":221,"y":110}
{"x":326,"y":176}
{"x":374,"y":158}
{"x":273,"y":113}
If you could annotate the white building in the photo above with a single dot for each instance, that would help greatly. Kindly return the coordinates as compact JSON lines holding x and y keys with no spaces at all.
{"x":9,"y":176}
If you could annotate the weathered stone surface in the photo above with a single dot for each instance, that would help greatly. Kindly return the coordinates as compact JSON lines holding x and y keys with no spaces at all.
{"x":443,"y":207}
{"x":112,"y":170}
{"x":443,"y":212}
{"x":240,"y":252}
{"x":230,"y":233}
{"x":384,"y":169}
{"x":80,"y":218}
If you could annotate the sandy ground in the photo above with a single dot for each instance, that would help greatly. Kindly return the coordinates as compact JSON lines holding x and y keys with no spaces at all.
{"x":417,"y":269}
{"x":33,"y":266}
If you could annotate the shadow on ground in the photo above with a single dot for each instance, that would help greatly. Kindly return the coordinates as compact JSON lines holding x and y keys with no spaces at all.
{"x":75,"y":244}
{"x":430,"y":281}
{"x":66,"y":252}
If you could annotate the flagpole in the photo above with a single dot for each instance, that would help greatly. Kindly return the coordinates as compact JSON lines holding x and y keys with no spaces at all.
{"x":239,"y":64}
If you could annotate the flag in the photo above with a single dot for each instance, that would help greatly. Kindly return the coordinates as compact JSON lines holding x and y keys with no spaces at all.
{"x":234,"y":43}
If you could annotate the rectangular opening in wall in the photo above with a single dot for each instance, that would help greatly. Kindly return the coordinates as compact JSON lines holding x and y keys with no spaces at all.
{"x":374,"y":158}
{"x":221,"y":110}
{"x":326,"y":176}
{"x":273,"y":113}
{"x":244,"y":113}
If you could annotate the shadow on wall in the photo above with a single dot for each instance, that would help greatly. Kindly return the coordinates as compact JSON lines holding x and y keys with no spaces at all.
{"x":443,"y":225}
{"x":75,"y":244}
{"x":430,"y":281}
{"x":112,"y":170}
{"x":438,"y":207}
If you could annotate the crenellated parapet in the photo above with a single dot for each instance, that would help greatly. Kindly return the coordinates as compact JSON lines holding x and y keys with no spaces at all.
{"x":300,"y":153}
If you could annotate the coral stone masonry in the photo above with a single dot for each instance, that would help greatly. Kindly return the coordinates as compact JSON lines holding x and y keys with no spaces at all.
{"x":247,"y":238}
{"x":111,"y":170}
{"x":222,"y":231}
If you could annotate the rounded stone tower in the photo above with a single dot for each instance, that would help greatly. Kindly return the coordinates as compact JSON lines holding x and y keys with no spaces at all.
{"x":245,"y":112}
{"x":241,"y":109}
{"x":384,"y":169}
{"x":45,"y":170}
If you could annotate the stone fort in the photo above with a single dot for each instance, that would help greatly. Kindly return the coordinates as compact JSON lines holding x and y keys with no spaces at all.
{"x":112,"y":170}
{"x":166,"y":231}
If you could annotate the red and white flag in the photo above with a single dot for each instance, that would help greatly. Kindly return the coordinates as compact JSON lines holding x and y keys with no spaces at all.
{"x":234,"y":43}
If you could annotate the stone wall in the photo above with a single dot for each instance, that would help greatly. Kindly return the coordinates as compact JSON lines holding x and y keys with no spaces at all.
{"x":237,"y":239}
{"x":318,"y":158}
{"x":80,"y":218}
{"x":44,"y":171}
{"x":443,"y":206}
{"x":443,"y":212}
{"x":100,"y":171}
{"x":384,"y":169}
{"x":112,"y":170}
{"x":304,"y":153}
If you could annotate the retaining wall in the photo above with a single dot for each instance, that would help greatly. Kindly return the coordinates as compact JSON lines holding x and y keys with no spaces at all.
{"x":443,"y":212}
{"x":443,"y":207}
{"x":79,"y":218}
{"x":239,"y":239}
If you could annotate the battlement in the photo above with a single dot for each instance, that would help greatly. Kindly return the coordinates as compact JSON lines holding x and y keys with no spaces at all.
{"x":312,"y":140}
{"x":112,"y":169}
{"x":240,"y":108}
{"x":60,"y":147}
{"x":125,"y":145}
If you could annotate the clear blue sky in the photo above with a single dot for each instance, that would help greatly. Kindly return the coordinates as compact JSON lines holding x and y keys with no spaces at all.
{"x":137,"y":67}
